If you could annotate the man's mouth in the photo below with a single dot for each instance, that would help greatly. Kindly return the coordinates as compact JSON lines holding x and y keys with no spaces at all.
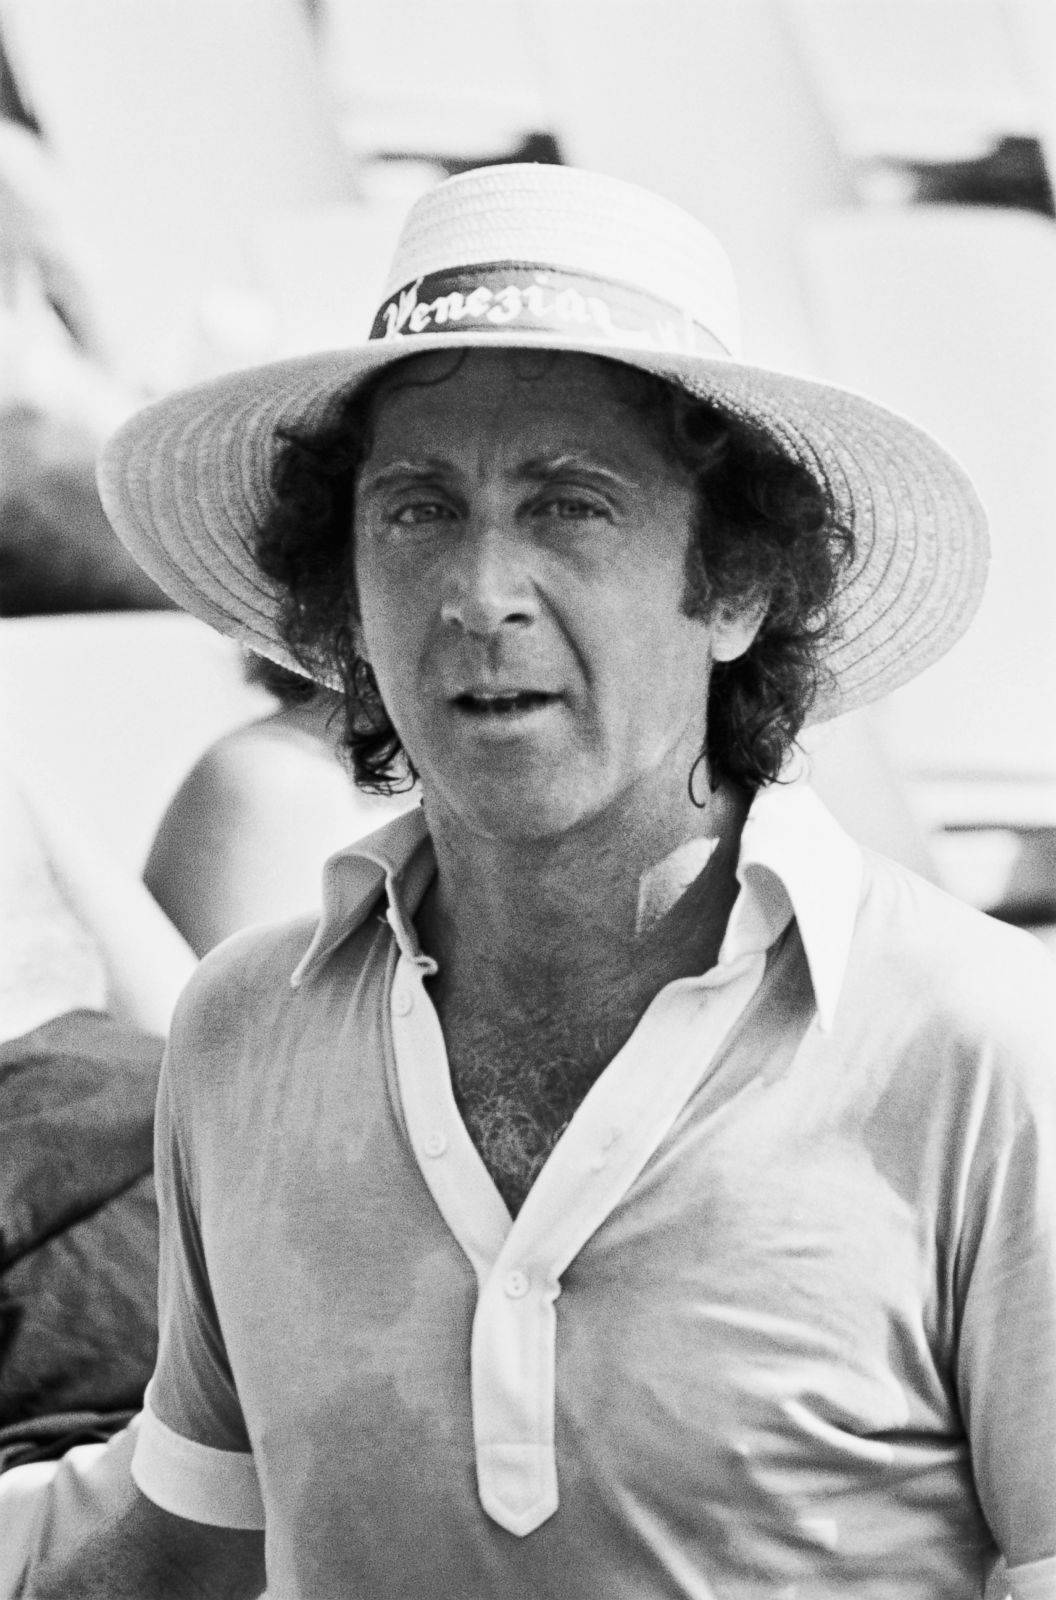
{"x":507,"y":703}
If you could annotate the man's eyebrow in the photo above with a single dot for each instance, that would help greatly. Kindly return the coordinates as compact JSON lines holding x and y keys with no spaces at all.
{"x":403,"y":470}
{"x":542,"y":468}
{"x":537,"y":469}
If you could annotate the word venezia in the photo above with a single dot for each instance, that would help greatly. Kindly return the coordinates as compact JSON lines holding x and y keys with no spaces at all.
{"x":539,"y":303}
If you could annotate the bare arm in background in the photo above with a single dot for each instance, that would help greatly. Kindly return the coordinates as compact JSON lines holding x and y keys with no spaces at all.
{"x":245,"y":836}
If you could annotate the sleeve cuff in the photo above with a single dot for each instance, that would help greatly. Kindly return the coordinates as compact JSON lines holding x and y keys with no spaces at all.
{"x":1036,"y":1580}
{"x":217,"y":1487}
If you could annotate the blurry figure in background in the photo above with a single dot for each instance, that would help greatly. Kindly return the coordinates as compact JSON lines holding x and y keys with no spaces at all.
{"x":244,"y":838}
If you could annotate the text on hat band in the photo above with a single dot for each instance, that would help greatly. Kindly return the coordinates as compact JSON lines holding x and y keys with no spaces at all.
{"x":501,"y":295}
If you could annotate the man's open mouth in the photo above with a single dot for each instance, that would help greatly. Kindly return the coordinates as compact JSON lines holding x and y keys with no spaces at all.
{"x":503,"y":705}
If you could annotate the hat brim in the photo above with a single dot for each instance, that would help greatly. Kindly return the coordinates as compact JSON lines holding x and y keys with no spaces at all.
{"x":185,"y":483}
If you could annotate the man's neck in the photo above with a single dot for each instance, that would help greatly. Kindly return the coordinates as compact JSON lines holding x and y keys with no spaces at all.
{"x":612,"y":906}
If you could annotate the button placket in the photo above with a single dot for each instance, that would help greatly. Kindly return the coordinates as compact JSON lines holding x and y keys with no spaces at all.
{"x":464,"y":1195}
{"x":513,"y":1383}
{"x":515,"y":1336}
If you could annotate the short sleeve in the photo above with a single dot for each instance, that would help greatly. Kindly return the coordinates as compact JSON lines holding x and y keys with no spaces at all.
{"x":1006,"y":1363}
{"x":193,"y":1456}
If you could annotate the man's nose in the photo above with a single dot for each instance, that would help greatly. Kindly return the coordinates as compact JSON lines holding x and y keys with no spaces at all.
{"x":487,"y":585}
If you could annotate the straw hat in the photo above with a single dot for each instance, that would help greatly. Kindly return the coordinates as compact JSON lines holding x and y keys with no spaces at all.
{"x":553,"y":257}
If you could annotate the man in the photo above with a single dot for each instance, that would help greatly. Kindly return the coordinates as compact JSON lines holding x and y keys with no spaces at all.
{"x":629,"y":1188}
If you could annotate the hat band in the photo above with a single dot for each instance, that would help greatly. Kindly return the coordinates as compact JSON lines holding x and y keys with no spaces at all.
{"x":516,"y":297}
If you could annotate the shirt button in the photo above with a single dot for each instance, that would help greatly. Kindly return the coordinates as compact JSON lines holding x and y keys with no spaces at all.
{"x":434,"y":1144}
{"x":516,"y":1284}
{"x":402,"y":1001}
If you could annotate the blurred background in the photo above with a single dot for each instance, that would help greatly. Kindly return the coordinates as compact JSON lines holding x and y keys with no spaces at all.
{"x":192,"y":185}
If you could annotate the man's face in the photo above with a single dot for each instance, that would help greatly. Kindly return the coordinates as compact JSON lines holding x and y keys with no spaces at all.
{"x":521,"y":542}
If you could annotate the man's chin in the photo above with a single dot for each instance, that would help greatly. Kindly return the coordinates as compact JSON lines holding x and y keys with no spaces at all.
{"x":527,"y":813}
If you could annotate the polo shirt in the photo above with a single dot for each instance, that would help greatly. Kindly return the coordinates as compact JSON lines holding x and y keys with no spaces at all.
{"x":778,"y":1316}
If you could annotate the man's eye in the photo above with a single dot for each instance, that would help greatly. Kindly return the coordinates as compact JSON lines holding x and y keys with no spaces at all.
{"x":569,"y":508}
{"x":421,"y":512}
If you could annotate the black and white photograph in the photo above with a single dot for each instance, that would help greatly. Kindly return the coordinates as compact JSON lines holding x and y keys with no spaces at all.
{"x":527,"y":799}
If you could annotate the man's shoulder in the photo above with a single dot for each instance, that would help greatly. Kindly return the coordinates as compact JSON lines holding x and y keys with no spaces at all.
{"x":908,"y":908}
{"x":951,"y":965}
{"x":243,"y":989}
{"x":253,"y":956}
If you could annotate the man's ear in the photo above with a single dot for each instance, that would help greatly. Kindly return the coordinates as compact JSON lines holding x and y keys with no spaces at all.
{"x":734,"y":627}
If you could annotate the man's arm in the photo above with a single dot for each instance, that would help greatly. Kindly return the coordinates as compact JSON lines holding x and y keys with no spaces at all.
{"x":1005,"y":1268}
{"x":147,"y":1551}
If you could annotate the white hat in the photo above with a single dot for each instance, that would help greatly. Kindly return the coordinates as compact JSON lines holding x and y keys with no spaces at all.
{"x":553,"y":257}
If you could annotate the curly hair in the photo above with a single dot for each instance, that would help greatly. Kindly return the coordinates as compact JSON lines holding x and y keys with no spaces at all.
{"x":766,"y":532}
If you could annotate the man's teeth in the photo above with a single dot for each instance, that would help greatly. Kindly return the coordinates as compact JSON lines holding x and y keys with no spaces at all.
{"x":503,"y":702}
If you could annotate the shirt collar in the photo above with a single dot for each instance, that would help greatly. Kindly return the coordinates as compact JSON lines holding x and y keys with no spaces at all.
{"x":397,"y":860}
{"x":795,"y":861}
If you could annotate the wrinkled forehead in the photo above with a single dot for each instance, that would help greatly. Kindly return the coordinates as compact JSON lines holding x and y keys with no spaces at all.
{"x":466,"y":391}
{"x":516,"y":367}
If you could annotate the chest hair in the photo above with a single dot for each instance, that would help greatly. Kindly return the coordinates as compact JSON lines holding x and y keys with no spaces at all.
{"x":522,"y":1057}
{"x":517,"y":1084}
